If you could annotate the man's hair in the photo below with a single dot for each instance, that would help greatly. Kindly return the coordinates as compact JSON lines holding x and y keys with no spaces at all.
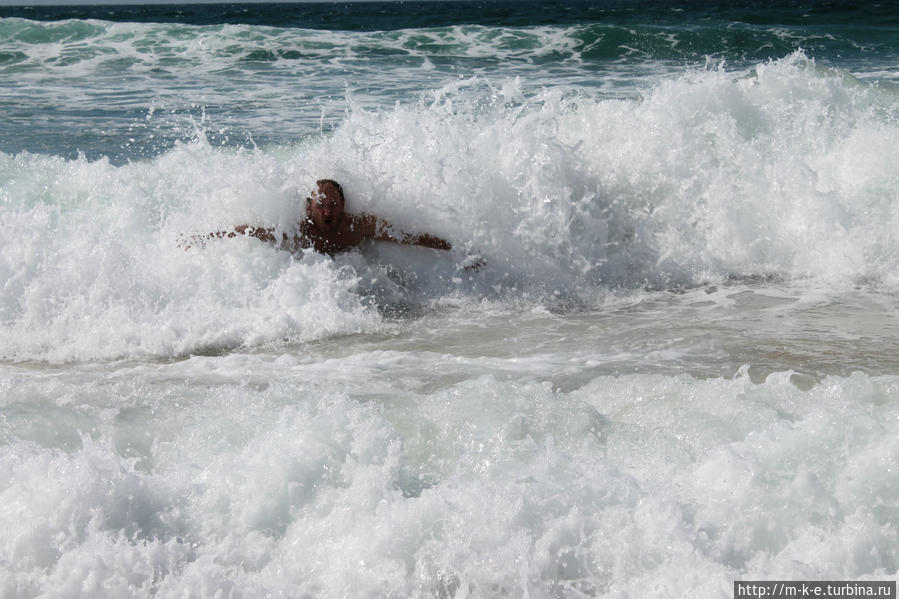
{"x":336,"y":185}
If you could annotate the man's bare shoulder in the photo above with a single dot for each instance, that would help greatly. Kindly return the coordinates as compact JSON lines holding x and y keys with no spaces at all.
{"x":362,"y":224}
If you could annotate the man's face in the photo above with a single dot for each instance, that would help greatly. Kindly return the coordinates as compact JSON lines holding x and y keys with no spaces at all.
{"x":324,"y":207}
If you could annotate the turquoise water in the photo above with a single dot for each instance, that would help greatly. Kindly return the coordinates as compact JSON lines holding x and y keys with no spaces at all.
{"x":677,"y":369}
{"x":126,"y":82}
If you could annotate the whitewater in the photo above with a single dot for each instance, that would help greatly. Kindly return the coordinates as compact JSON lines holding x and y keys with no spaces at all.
{"x":678,"y":368}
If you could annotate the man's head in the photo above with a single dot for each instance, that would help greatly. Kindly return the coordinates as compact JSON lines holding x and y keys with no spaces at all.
{"x":325,"y":206}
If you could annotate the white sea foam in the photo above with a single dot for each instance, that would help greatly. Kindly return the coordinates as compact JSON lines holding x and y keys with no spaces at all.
{"x":677,"y":369}
{"x":95,"y":269}
{"x":786,"y":171}
{"x":246,"y":475}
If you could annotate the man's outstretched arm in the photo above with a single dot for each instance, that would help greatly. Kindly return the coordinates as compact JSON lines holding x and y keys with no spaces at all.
{"x":261,"y":233}
{"x":379,"y":229}
{"x":431,"y":241}
{"x":426,"y":240}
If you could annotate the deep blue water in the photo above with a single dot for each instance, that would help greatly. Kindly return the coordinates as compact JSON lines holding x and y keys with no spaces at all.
{"x":370,"y":16}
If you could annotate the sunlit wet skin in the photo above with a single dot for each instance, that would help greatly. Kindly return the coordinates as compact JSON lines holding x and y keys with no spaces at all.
{"x":329,"y":229}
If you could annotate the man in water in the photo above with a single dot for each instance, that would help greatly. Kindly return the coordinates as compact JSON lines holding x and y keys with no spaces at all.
{"x":328,"y":229}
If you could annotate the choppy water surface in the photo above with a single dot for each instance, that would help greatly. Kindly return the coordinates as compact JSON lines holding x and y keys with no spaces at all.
{"x":677,"y":369}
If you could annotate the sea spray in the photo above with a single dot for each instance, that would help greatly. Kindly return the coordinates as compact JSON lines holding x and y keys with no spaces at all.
{"x":711,"y":174}
{"x":676,"y":368}
{"x":786,"y":170}
{"x":97,"y":268}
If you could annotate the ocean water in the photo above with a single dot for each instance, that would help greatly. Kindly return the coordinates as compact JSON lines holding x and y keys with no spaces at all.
{"x":679,"y":367}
